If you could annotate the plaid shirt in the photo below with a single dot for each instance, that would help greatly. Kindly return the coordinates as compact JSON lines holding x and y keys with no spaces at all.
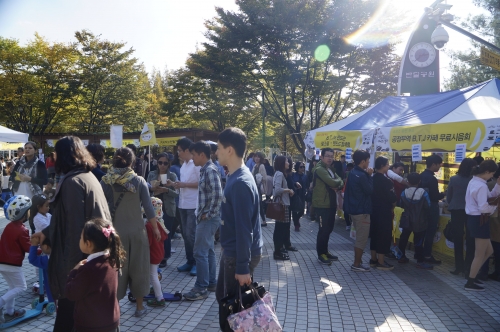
{"x":209,"y":192}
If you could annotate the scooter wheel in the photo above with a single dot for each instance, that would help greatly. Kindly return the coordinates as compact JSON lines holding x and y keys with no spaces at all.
{"x":50,"y":308}
{"x":34,"y":303}
{"x":159,"y":276}
{"x":131,"y":298}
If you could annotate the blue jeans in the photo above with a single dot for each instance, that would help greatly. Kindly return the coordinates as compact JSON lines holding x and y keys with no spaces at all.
{"x":204,"y":253}
{"x":432,"y":227}
{"x":188,"y":222}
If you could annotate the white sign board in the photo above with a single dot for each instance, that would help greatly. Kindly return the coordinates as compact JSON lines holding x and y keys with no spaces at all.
{"x":416,"y":152}
{"x":460,"y":152}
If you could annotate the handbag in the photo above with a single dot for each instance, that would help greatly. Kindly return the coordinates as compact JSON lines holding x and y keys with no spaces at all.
{"x":230,"y":305}
{"x":309,"y":196}
{"x":276,"y":209}
{"x":297,"y":203}
{"x":259,"y":317}
{"x":447,"y":232}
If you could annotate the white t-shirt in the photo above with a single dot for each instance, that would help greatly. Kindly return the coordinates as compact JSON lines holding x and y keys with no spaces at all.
{"x":41,"y":221}
{"x":188,"y":197}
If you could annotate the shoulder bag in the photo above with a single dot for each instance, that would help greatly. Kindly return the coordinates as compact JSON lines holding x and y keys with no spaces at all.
{"x":276,"y":209}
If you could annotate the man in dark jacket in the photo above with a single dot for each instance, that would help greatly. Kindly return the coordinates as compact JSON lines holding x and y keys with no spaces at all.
{"x":429,"y":182}
{"x":358,"y":204}
{"x":324,"y":201}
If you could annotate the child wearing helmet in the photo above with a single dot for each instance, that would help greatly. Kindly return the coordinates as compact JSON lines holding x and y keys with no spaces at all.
{"x":14,"y":244}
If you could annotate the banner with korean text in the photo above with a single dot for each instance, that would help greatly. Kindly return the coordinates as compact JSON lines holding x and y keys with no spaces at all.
{"x":477,"y":135}
{"x":340,"y":139}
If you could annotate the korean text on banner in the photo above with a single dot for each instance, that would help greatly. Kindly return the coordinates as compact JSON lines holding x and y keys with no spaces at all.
{"x":148,"y":136}
{"x":116,"y":136}
{"x":477,"y":135}
{"x":340,"y":139}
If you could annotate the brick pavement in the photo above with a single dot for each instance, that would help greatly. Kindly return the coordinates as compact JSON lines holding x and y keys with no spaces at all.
{"x":314,"y":297}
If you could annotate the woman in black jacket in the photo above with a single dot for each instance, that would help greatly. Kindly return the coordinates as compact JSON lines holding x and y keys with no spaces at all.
{"x":29,"y":175}
{"x":383,"y":199}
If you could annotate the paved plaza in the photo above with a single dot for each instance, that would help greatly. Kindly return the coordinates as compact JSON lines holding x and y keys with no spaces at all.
{"x":313,"y":297}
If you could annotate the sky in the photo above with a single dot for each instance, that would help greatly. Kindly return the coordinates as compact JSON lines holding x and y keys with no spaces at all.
{"x":164,"y":32}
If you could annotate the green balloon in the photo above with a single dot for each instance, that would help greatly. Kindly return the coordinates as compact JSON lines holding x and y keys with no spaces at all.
{"x":322,"y":53}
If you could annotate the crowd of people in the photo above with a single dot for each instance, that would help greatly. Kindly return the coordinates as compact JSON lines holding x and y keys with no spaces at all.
{"x":109,"y":230}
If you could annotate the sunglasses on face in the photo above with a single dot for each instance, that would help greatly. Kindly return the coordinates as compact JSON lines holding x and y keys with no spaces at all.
{"x":166,"y":163}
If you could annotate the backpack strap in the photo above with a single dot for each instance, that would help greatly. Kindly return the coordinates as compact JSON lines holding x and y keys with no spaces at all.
{"x":115,"y":206}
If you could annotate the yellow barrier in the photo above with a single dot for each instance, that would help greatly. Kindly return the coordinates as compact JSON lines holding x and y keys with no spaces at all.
{"x":440,"y":245}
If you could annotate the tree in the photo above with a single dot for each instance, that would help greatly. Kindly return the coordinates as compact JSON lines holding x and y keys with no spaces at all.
{"x":267,"y":53}
{"x":36,"y":83}
{"x":113,"y":87}
{"x":466,"y":68}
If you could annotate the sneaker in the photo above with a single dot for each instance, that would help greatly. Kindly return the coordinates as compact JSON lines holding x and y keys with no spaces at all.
{"x":473,"y":287}
{"x":264,"y":224}
{"x":432,"y":260}
{"x":212,"y":288}
{"x":156,"y":303}
{"x":331,"y":257}
{"x":373,"y":263}
{"x":360,"y":268}
{"x":140,"y":313}
{"x":163,"y":263}
{"x":193,"y":271}
{"x":196,"y":294}
{"x":15,"y":315}
{"x":323,"y":259}
{"x":384,"y":267}
{"x":390,"y":256}
{"x":173,"y":251}
{"x":185,"y":268}
{"x":477,"y":281}
{"x":297,"y":228}
{"x":403,"y":260}
{"x":348,"y":228}
{"x":425,"y":266}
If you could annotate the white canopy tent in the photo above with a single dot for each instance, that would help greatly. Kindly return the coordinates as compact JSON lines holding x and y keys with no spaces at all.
{"x":11,"y":136}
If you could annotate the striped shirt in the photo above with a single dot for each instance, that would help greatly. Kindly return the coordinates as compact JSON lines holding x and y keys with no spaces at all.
{"x":209,"y":192}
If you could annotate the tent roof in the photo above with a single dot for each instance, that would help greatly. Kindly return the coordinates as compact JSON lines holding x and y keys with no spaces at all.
{"x":481,"y":101}
{"x":12,"y":136}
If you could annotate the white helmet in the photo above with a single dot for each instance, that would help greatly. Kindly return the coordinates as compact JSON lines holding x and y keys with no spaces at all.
{"x":17,"y":207}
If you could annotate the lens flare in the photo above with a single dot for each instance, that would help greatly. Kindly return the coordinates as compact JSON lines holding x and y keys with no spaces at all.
{"x":322,"y":53}
{"x":390,"y":23}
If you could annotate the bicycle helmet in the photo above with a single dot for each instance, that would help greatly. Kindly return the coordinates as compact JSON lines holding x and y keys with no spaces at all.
{"x":16,"y":207}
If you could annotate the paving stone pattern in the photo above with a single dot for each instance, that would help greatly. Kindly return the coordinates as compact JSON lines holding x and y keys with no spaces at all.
{"x":312,"y":297}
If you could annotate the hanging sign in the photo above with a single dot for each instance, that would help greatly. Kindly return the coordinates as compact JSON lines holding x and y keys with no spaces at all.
{"x":460,"y":150}
{"x":416,"y":152}
{"x":348,"y":155}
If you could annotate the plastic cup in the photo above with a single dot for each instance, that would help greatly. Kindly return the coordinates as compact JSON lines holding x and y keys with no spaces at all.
{"x":163,"y":178}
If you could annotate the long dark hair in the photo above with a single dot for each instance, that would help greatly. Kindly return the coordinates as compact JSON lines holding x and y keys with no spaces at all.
{"x":94,"y":231}
{"x":36,"y":202}
{"x":466,"y":166}
{"x":72,"y":154}
{"x":279,"y":164}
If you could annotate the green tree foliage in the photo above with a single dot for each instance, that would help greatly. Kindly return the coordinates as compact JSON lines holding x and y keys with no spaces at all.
{"x":266,"y":53}
{"x":466,"y":67}
{"x":80,"y":87}
{"x":35,"y":83}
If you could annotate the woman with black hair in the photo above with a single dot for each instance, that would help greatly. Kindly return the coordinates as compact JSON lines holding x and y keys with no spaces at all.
{"x":478,"y":211}
{"x":281,"y":235}
{"x":78,"y":198}
{"x":260,"y":175}
{"x":29,"y":175}
{"x":299,"y":199}
{"x":383,"y":199}
{"x":455,"y":196}
{"x":97,"y":152}
{"x":125,"y":193}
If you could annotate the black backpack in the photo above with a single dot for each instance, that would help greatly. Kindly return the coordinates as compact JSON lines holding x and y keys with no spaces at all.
{"x":415,"y":215}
